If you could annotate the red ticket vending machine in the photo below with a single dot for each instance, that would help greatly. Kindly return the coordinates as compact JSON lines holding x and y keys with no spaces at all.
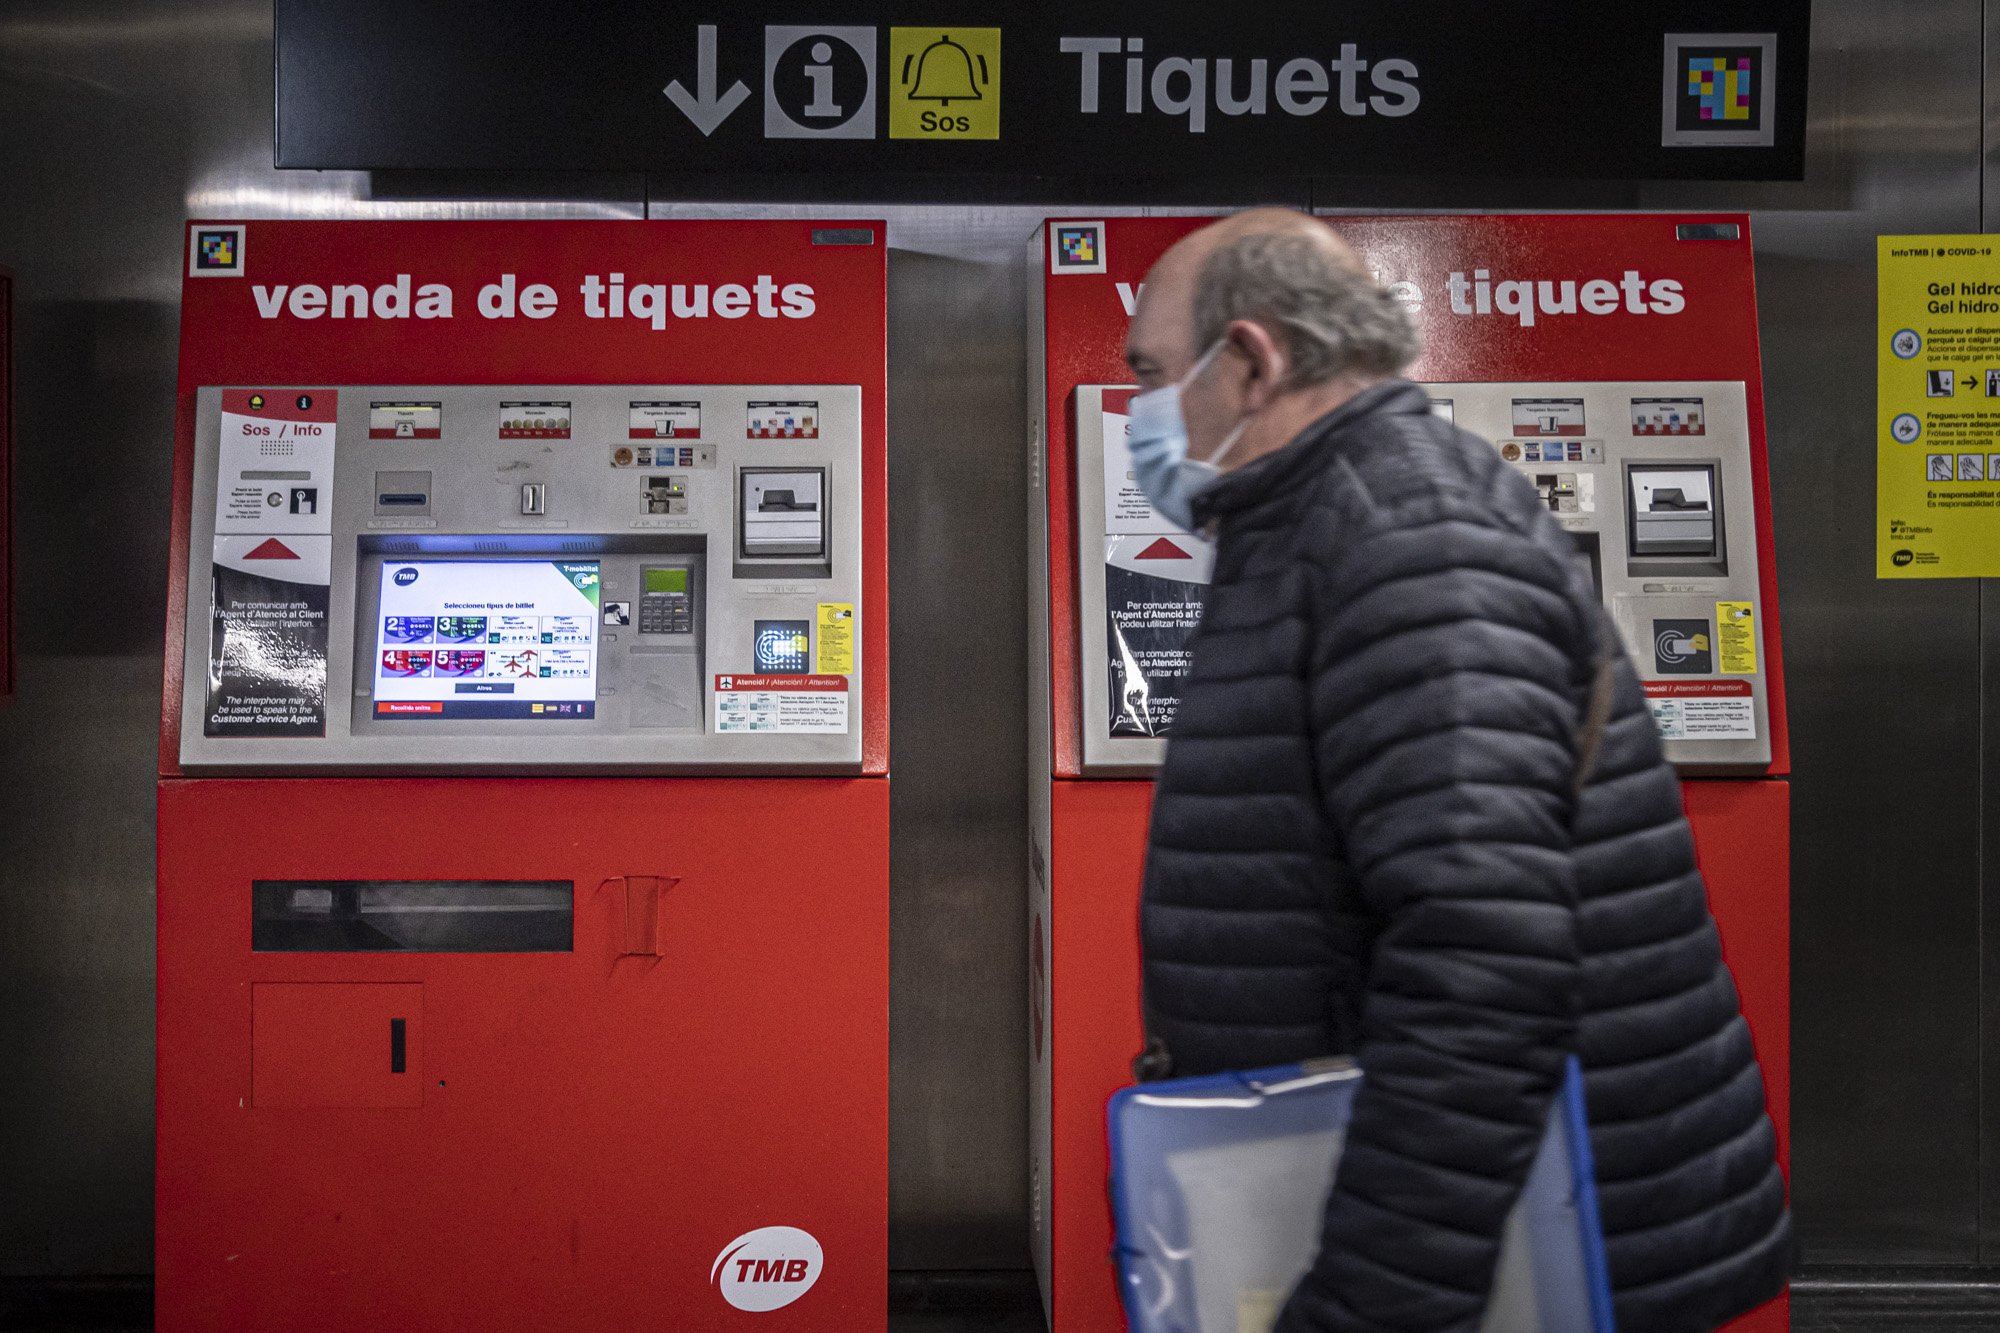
{"x":523,"y":809}
{"x":1614,"y":360}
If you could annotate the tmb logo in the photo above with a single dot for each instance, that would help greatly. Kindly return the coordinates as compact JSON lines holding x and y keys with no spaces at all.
{"x":767,"y":1269}
{"x":1719,"y":89}
{"x":215,"y":252}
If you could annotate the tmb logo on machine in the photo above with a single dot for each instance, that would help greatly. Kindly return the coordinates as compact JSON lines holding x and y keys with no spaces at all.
{"x":819,"y":83}
{"x":1077,"y":247}
{"x":1681,"y":648}
{"x":767,"y":1269}
{"x":215,"y":252}
{"x":1719,"y":90}
{"x":783,"y":647}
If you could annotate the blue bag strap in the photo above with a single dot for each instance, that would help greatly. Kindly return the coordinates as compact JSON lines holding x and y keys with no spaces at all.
{"x":1583,"y":1174}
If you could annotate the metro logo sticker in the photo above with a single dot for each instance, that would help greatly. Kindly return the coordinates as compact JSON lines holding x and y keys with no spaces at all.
{"x":1077,"y":247}
{"x":767,"y":1269}
{"x":215,"y":252}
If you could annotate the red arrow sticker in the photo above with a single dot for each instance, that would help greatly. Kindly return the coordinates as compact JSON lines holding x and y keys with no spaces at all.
{"x":1163,"y":549}
{"x":272,"y":549}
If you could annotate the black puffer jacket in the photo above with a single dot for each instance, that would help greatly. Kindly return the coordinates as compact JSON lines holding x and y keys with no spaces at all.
{"x":1368,"y":839}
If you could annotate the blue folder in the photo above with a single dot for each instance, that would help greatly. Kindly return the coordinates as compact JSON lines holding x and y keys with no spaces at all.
{"x":1219,"y":1187}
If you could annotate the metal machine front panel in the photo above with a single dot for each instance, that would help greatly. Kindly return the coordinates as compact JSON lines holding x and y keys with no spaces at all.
{"x":656,"y":577}
{"x":1651,"y":479}
{"x":1653,"y":483}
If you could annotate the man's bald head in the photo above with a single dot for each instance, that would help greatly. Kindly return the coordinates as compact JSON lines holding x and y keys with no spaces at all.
{"x":1292,"y":323}
{"x":1292,"y":274}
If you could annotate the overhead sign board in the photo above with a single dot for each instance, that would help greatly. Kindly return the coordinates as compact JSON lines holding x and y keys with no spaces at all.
{"x":1084,"y":89}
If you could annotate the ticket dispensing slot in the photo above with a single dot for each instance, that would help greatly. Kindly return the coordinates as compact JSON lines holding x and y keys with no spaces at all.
{"x":416,"y":916}
{"x":782,"y":523}
{"x":1674,"y":518}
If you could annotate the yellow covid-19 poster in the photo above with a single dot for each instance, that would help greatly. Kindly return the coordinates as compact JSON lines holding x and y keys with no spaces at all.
{"x":1937,"y":398}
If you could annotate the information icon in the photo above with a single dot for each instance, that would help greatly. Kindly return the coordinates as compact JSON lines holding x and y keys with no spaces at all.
{"x":1906,"y":343}
{"x":1905,"y":428}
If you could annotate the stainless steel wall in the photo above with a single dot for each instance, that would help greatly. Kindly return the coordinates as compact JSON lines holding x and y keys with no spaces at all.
{"x":120,"y":117}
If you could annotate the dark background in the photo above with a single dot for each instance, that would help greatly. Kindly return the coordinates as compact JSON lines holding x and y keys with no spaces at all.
{"x":119,"y":118}
{"x":1548,"y":89}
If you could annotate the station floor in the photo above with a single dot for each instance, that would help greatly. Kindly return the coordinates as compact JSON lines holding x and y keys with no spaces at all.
{"x":1823,"y":1301}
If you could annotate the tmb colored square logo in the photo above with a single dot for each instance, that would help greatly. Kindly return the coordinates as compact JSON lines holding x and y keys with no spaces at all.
{"x":783,"y":648}
{"x":1076,"y":247}
{"x":215,"y":252}
{"x":1719,"y":90}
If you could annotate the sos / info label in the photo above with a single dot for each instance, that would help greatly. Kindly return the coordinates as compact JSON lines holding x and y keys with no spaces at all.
{"x":275,"y":466}
{"x":1937,"y":407}
{"x":944,"y":83}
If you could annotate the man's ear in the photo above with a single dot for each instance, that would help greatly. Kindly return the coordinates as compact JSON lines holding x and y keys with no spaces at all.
{"x":1265,"y":356}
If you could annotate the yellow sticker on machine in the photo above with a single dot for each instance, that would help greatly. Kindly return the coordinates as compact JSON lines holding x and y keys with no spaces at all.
{"x":835,"y":640}
{"x":1736,"y":638}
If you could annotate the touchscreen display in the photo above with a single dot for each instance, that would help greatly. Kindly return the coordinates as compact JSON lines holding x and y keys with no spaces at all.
{"x":487,"y":639}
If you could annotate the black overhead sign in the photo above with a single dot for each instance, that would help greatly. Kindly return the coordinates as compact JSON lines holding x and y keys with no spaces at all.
{"x":1056,"y":89}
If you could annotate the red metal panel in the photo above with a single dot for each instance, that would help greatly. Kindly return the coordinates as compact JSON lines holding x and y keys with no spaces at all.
{"x":329,"y":1044}
{"x":224,"y":340}
{"x":1741,"y":836}
{"x":1713,"y":338}
{"x":1099,"y":836}
{"x":595,"y":1129}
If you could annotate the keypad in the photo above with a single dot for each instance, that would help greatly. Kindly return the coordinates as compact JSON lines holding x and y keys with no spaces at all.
{"x":666,"y":613}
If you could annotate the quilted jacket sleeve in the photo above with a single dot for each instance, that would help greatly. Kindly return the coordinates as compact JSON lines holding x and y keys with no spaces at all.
{"x":1449,"y":669}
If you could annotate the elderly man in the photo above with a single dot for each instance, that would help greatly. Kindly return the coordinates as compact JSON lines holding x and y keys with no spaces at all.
{"x":1415,"y":810}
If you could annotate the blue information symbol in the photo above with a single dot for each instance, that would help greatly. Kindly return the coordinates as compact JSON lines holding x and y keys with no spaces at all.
{"x":1906,"y":343}
{"x":1905,"y":428}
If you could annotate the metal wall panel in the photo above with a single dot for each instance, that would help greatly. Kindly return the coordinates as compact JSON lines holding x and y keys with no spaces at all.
{"x":123,"y":116}
{"x":1883,"y":679}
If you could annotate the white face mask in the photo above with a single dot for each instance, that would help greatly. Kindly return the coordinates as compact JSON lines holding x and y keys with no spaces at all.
{"x":1159,"y":443}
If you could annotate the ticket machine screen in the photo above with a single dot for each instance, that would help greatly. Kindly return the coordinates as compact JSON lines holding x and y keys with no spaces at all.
{"x":487,"y":639}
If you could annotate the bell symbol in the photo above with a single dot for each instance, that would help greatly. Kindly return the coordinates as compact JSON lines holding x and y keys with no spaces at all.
{"x":944,"y":73}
